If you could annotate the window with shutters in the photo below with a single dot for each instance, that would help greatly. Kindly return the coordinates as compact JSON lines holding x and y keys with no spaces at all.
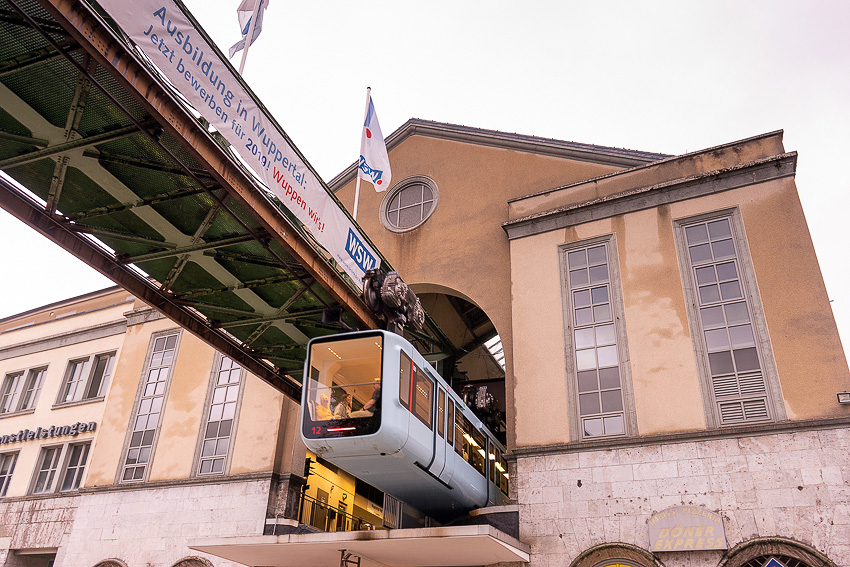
{"x":728,"y":329}
{"x":596,"y":335}
{"x":7,"y":468}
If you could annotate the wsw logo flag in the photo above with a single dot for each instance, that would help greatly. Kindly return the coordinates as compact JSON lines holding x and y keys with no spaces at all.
{"x":245,"y":11}
{"x":374,"y":162}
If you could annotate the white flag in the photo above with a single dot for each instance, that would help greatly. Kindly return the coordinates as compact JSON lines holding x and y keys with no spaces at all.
{"x":245,"y":11}
{"x":374,"y":162}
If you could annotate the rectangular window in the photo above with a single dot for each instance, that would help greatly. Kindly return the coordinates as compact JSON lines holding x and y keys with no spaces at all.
{"x":7,"y":467}
{"x":441,"y":412}
{"x":75,"y":467}
{"x":725,"y":319}
{"x":149,"y":408}
{"x":74,"y":456}
{"x":32,"y":388}
{"x":423,"y":396}
{"x":450,"y":428}
{"x":594,"y":336}
{"x":11,"y":392}
{"x":405,"y":365}
{"x":18,"y":393}
{"x":86,"y":378}
{"x":220,"y":417}
{"x":48,"y":463}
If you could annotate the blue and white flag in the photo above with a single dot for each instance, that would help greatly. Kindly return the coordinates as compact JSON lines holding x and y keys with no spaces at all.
{"x":245,"y":11}
{"x":374,"y":162}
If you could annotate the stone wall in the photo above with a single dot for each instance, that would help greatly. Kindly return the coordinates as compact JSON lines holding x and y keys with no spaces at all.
{"x":149,"y":527}
{"x":792,"y":485}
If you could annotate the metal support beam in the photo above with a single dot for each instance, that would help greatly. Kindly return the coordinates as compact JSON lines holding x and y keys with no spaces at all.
{"x":107,"y":233}
{"x":51,"y":151}
{"x":76,"y":16}
{"x":35,"y":57}
{"x":38,"y":142}
{"x":147,"y":201}
{"x":187,"y":249}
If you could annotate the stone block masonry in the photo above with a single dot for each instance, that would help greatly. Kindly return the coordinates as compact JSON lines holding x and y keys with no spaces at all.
{"x":789,"y":485}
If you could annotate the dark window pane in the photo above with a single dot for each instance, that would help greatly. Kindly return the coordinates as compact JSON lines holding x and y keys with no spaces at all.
{"x":584,"y":316}
{"x":577,"y":259}
{"x":719,"y":229}
{"x":730,"y":290}
{"x":592,"y":427}
{"x":612,"y":400}
{"x":409,"y":217}
{"x":581,"y":298}
{"x":587,"y":381}
{"x":742,"y":336}
{"x":736,"y":313}
{"x":746,"y":359}
{"x":614,"y":425}
{"x":709,"y":294}
{"x":226,"y":426}
{"x":578,"y":278}
{"x":723,"y":249}
{"x":609,"y":378}
{"x":720,"y":363}
{"x":602,"y":313}
{"x":410,"y":195}
{"x":696,"y":234}
{"x":700,"y":254}
{"x":588,"y":403}
{"x":212,"y":429}
{"x":584,"y":338}
{"x":727,"y":271}
{"x":716,"y":339}
{"x":147,"y":437}
{"x":711,"y":316}
{"x":705,"y":275}
{"x":600,"y":294}
{"x":599,"y":274}
{"x":596,"y":255}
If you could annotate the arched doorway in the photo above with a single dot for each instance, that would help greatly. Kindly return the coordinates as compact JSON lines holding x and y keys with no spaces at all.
{"x":616,"y":555}
{"x":774,"y":552}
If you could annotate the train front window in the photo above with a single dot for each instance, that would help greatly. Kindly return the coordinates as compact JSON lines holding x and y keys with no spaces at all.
{"x":344,"y":387}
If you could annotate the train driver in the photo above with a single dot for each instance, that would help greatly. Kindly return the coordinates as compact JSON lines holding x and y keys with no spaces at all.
{"x":323,"y":410}
{"x":374,"y":403}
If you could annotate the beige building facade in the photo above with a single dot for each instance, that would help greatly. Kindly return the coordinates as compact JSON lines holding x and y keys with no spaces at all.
{"x":669,"y":376}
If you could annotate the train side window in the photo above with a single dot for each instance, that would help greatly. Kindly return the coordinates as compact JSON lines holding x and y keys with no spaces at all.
{"x":423,"y":397}
{"x":491,"y":460}
{"x":502,"y":472}
{"x":477,"y":452}
{"x":459,"y":440}
{"x":450,"y":427}
{"x":404,"y":380}
{"x":441,"y":413}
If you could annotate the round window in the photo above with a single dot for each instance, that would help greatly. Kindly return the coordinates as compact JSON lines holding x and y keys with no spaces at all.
{"x":409,"y":204}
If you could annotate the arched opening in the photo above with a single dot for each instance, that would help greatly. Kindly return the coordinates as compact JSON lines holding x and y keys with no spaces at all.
{"x":470,"y":356}
{"x":774,"y":552}
{"x":616,"y":555}
{"x":193,"y":562}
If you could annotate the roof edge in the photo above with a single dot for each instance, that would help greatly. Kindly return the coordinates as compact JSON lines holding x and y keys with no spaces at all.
{"x":520,"y":142}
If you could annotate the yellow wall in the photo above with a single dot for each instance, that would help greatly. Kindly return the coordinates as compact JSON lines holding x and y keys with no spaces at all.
{"x":801,"y":328}
{"x":462,"y":250}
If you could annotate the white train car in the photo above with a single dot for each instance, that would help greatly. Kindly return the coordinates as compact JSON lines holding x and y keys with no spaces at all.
{"x":373,"y":406}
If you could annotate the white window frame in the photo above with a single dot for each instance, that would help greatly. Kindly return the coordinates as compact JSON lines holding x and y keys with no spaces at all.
{"x":150,"y":399}
{"x":83,"y":382}
{"x":209,"y":409}
{"x":6,"y":479}
{"x":15,"y":395}
{"x":59,"y":471}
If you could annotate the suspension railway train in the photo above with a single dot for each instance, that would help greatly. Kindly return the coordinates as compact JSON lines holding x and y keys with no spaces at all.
{"x":372,"y":405}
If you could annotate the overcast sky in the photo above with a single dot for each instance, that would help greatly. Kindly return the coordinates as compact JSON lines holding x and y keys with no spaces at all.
{"x":669,"y":77}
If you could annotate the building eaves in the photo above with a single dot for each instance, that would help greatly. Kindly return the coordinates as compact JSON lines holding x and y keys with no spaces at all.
{"x":532,"y":144}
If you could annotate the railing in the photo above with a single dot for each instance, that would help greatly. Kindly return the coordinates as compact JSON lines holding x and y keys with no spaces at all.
{"x":327,"y":518}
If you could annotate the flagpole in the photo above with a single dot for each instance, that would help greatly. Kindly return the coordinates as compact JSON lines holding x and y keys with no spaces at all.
{"x":250,"y":34}
{"x":357,"y":171}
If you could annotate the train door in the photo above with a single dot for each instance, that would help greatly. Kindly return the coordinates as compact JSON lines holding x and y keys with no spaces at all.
{"x":439,"y":464}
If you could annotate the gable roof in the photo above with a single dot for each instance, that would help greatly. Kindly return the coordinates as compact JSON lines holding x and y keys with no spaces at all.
{"x":533,"y":144}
